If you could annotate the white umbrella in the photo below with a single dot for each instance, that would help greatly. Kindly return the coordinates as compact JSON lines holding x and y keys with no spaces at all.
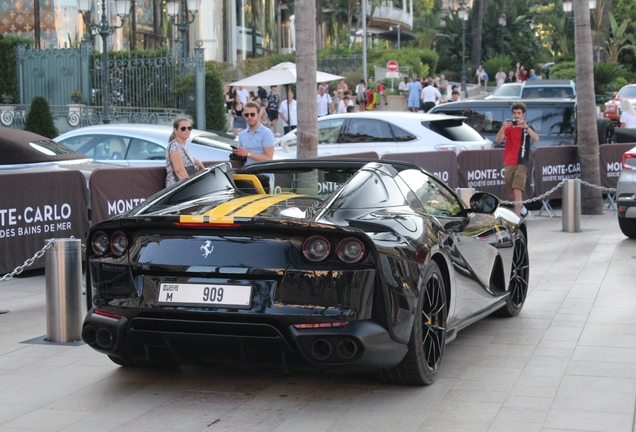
{"x":282,"y":73}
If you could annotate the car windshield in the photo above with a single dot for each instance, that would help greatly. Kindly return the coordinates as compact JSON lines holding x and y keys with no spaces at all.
{"x":627,"y":92}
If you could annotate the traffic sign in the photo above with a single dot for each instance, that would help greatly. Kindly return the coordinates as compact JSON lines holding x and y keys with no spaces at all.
{"x":392,"y":66}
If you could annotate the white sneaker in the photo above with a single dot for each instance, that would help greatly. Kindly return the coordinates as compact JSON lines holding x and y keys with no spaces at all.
{"x":525,"y":213}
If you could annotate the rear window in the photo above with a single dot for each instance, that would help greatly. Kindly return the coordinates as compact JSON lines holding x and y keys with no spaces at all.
{"x":508,"y":91}
{"x":552,"y":120}
{"x":547,"y":92}
{"x":454,"y":130}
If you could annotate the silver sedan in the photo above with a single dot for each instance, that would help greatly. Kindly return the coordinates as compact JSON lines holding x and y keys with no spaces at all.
{"x":141,"y":144}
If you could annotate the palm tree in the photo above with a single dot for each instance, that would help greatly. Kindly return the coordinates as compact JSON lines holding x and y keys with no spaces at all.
{"x":619,"y":39}
{"x":587,"y":137}
{"x":479,"y":7}
{"x":305,"y":11}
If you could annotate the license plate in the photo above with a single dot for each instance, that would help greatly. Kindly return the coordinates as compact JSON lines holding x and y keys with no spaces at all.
{"x":235,"y":296}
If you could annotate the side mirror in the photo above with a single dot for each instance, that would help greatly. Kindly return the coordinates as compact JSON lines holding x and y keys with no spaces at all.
{"x":483,"y":202}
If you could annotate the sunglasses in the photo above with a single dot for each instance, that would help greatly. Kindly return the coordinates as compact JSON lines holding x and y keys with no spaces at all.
{"x":249,"y":115}
{"x":183,"y":128}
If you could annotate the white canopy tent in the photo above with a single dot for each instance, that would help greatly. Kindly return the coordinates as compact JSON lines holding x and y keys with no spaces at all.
{"x":281,"y":74}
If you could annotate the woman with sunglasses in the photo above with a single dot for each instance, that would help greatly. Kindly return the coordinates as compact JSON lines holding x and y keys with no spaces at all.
{"x":179,"y":163}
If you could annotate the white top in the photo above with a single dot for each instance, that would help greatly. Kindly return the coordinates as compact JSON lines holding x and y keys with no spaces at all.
{"x":292,"y":116}
{"x":501,"y":78}
{"x":342,"y":108}
{"x":323,"y":104}
{"x":430,"y":94}
{"x":628,"y":119}
{"x":403,"y":87}
{"x":243,"y":95}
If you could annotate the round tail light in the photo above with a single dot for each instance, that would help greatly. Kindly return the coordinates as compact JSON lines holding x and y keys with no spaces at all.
{"x":316,"y":248}
{"x":118,"y":243}
{"x":350,"y":250}
{"x":100,"y":243}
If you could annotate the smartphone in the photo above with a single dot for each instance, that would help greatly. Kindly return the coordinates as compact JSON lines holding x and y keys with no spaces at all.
{"x":233,"y":147}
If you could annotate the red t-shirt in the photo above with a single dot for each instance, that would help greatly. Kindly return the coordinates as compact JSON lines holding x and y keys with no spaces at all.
{"x":515,"y":153}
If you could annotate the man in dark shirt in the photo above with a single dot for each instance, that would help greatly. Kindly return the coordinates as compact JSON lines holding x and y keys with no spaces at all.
{"x":518,"y":134}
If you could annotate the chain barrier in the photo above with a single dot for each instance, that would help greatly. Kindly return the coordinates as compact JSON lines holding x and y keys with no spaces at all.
{"x":554,"y":189}
{"x":30,"y":261}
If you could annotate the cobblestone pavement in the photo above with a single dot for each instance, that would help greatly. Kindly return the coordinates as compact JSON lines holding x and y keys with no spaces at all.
{"x":568,"y":362}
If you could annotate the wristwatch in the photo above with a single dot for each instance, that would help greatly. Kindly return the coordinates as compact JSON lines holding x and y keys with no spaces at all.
{"x":249,"y":154}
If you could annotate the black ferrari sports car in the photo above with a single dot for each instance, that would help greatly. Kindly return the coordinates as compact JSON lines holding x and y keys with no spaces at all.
{"x":332,"y":264}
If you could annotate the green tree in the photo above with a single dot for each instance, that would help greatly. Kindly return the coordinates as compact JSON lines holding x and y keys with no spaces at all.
{"x":214,"y":101}
{"x":619,"y":39}
{"x":40,"y":119}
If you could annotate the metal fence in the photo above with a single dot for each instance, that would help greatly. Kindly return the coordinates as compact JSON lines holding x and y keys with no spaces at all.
{"x":139,"y":80}
{"x":337,"y":65}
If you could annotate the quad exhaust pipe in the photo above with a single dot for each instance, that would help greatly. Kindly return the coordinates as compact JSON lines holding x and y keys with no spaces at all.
{"x":345,"y":349}
{"x":103,"y":338}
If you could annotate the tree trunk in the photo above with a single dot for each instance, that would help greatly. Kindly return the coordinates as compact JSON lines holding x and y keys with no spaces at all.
{"x":478,"y":25}
{"x":587,"y":136}
{"x":305,"y":11}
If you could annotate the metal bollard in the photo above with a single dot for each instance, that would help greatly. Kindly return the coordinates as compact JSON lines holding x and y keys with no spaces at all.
{"x":63,"y":272}
{"x":571,"y":206}
{"x":465,"y":194}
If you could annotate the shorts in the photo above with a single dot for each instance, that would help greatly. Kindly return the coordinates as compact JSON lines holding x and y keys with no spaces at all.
{"x":272,"y":115}
{"x":414,"y":102}
{"x":515,"y":177}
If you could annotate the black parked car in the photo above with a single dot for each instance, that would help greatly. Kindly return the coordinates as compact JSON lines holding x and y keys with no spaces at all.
{"x":333,"y":264}
{"x":554,"y":120}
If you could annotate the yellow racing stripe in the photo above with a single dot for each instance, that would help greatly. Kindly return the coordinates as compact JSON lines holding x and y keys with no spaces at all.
{"x":258,"y":206}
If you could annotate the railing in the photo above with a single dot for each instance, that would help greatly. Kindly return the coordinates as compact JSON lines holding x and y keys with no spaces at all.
{"x":337,"y":64}
{"x":71,"y":116}
{"x":392,"y":15}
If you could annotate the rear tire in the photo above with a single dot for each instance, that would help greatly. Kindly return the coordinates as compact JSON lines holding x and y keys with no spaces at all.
{"x":428,"y":336}
{"x":628,"y":226}
{"x":606,"y":131}
{"x":518,"y":286}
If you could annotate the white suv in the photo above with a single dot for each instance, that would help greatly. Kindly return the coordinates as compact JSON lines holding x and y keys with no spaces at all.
{"x":387,"y":132}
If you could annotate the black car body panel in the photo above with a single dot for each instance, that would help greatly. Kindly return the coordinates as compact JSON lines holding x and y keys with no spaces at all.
{"x":382,"y":224}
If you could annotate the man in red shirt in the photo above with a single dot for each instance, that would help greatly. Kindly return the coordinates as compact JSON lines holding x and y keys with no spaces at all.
{"x":518,"y":134}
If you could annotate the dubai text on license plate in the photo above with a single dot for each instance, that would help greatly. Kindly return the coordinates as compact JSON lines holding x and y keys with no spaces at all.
{"x":235,"y":296}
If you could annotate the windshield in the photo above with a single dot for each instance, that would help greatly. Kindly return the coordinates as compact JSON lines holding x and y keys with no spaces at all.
{"x":627,"y":92}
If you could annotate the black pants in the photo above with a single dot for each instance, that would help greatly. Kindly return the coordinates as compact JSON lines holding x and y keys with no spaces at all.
{"x":288,"y":129}
{"x":428,"y":106}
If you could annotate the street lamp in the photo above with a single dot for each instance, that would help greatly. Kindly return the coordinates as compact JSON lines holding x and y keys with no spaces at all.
{"x":502,"y":24}
{"x":104,"y":29}
{"x":462,"y":13}
{"x":188,"y":9}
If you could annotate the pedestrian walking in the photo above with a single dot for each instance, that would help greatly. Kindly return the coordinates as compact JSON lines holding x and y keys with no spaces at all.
{"x":272,"y":107}
{"x":429,"y":96}
{"x":324,"y":101}
{"x":288,"y":113}
{"x":443,"y":87}
{"x":415,"y":88}
{"x":361,"y":96}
